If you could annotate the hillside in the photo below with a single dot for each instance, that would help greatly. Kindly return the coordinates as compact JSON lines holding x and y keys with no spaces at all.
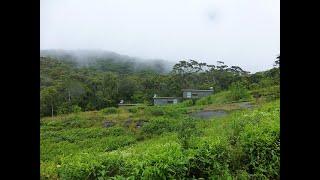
{"x":108,"y":61}
{"x":232,"y":134}
{"x":156,"y":142}
{"x":66,"y":86}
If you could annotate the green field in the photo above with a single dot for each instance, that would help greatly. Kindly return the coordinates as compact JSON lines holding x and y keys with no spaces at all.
{"x":165,"y":142}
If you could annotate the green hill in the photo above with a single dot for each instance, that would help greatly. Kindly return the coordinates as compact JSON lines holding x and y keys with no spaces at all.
{"x":232,"y":134}
{"x":156,"y":142}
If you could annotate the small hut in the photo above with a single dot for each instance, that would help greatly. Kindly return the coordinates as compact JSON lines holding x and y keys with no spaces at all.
{"x":196,"y":93}
{"x":165,"y":100}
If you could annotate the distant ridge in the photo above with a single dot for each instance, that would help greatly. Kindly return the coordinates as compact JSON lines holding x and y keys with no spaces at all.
{"x":87,"y":57}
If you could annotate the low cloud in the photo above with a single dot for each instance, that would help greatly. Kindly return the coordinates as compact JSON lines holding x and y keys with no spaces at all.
{"x":244,"y":33}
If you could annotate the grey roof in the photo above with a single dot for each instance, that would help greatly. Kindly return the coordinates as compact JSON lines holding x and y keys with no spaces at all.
{"x":208,"y":90}
{"x":165,"y":97}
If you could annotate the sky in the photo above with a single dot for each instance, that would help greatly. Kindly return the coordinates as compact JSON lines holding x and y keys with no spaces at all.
{"x":244,"y":33}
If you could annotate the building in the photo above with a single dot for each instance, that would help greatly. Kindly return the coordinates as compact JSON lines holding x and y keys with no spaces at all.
{"x":196,"y":93}
{"x":165,"y":100}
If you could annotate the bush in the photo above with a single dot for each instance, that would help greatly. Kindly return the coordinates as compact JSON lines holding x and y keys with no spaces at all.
{"x":76,"y":109}
{"x":238,"y":92}
{"x":210,"y":161}
{"x":90,"y":166}
{"x":204,"y":101}
{"x":157,"y":111}
{"x":267,"y":82}
{"x":48,"y":170}
{"x":64,"y":108}
{"x":186,"y":103}
{"x":186,"y":130}
{"x":269,"y":93}
{"x":218,"y":98}
{"x":254,"y":86}
{"x":110,"y":110}
{"x":160,"y":161}
{"x":173,"y":111}
{"x":159,"y":126}
{"x":261,"y":149}
{"x":119,"y":141}
{"x":256,"y":143}
{"x":133,"y":109}
{"x":67,"y":108}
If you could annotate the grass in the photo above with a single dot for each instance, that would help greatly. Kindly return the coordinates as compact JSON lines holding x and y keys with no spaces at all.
{"x":245,"y":144}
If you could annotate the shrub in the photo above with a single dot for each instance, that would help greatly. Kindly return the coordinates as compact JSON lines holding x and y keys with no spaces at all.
{"x":158,"y":126}
{"x":90,"y":166}
{"x":218,"y":98}
{"x":158,"y":111}
{"x":161,"y":161}
{"x":186,"y":103}
{"x":269,"y":93}
{"x":186,"y":130}
{"x":261,"y":146}
{"x":64,"y":108}
{"x":254,"y":86}
{"x":119,"y":141}
{"x":173,"y":111}
{"x":110,"y":110}
{"x":267,"y":82}
{"x":238,"y":92}
{"x":48,"y":170}
{"x":76,"y":109}
{"x":210,"y":161}
{"x":133,"y":109}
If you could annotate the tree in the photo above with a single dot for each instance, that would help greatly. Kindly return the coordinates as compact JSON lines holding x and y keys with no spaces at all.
{"x":109,"y":89}
{"x":277,"y":62}
{"x":128,"y":85}
{"x":48,"y":100}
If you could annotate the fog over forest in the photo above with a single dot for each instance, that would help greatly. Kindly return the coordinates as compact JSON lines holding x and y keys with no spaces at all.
{"x":244,"y":33}
{"x":86,"y":57}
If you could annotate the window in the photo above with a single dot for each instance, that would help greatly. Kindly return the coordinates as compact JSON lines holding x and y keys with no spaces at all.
{"x":170,"y":101}
{"x":188,"y":94}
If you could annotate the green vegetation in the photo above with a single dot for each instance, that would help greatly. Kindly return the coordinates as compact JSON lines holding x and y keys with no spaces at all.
{"x":89,"y":138}
{"x":111,"y":110}
{"x":238,"y":92}
{"x":243,"y":144}
{"x":67,"y":86}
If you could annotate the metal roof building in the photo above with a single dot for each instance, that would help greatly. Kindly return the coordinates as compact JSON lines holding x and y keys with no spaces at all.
{"x":196,"y":93}
{"x":165,"y":100}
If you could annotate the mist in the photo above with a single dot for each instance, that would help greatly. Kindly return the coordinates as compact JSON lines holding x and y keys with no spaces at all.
{"x":244,"y":33}
{"x":85,"y":57}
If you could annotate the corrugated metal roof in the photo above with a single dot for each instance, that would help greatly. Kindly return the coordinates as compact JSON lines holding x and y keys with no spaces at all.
{"x":165,"y":98}
{"x":209,"y":90}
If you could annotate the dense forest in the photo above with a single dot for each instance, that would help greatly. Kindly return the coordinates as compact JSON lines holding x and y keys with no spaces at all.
{"x":91,"y":81}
